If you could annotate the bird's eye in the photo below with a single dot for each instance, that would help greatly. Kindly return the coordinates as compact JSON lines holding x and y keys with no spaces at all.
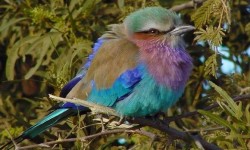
{"x":151,"y":31}
{"x":154,"y":31}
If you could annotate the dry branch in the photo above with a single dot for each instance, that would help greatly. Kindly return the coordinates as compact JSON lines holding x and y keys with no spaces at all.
{"x":156,"y":123}
{"x":190,"y":4}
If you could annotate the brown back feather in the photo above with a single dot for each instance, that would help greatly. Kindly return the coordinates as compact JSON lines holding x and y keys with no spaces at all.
{"x":115,"y":56}
{"x":112,"y":59}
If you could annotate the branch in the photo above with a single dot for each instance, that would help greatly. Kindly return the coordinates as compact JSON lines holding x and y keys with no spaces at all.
{"x":95,"y":108}
{"x":205,"y":130}
{"x":173,"y":133}
{"x":156,"y":123}
{"x":186,"y":5}
{"x":106,"y":110}
{"x":84,"y":139}
{"x":11,"y":138}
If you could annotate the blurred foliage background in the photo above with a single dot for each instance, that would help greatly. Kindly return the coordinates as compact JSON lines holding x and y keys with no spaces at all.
{"x":43,"y":43}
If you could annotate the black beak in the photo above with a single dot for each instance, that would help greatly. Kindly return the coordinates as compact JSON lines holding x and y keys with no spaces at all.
{"x":182,"y":29}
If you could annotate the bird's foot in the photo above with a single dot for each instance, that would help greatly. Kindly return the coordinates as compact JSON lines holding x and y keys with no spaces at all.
{"x":164,"y":119}
{"x":122,"y":119}
{"x":160,"y":117}
{"x":102,"y":122}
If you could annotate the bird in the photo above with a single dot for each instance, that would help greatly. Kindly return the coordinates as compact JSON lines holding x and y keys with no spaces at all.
{"x":139,"y":68}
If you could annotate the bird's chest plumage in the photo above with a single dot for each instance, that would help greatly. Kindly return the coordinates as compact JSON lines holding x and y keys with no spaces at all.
{"x":154,"y":85}
{"x":165,"y":73}
{"x":169,"y":66}
{"x":147,"y":98}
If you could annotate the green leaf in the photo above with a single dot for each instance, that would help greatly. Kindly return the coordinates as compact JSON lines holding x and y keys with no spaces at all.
{"x":10,"y":23}
{"x":217,"y":119}
{"x":46,"y":43}
{"x":13,"y":131}
{"x":212,"y":35}
{"x":247,"y":114}
{"x":232,"y":109}
{"x":228,"y":103}
{"x":211,"y":66}
{"x":37,"y":46}
{"x":203,"y":14}
{"x":120,"y":3}
{"x":247,"y":29}
{"x":14,"y":53}
{"x":211,"y":12}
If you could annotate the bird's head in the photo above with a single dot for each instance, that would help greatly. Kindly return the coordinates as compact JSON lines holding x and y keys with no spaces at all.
{"x":153,"y":24}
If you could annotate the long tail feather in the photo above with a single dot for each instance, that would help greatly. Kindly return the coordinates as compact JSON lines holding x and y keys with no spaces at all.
{"x":50,"y":120}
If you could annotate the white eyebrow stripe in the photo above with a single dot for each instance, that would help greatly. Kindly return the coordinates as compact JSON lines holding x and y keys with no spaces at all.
{"x":153,"y":25}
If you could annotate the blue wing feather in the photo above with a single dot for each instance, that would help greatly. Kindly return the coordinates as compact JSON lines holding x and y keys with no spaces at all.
{"x":66,"y":89}
{"x":147,"y":98}
{"x":121,"y":88}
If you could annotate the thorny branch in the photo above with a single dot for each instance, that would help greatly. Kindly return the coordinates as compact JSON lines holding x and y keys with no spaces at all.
{"x":161,"y":125}
{"x":86,"y":138}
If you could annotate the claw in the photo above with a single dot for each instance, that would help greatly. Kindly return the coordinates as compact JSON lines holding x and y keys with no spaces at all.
{"x":122,"y":119}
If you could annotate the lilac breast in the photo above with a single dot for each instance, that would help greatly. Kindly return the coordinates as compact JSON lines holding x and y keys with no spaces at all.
{"x":169,"y":66}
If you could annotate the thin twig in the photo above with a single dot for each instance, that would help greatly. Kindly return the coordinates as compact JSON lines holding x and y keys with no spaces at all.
{"x":244,"y":90}
{"x":95,"y":108}
{"x":156,"y":123}
{"x":86,"y":138}
{"x":148,"y":134}
{"x":142,"y":121}
{"x":204,"y":130}
{"x":12,"y":139}
{"x":186,"y":5}
{"x":174,"y":133}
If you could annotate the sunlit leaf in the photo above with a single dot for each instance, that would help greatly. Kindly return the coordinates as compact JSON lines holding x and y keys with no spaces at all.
{"x":45,"y":42}
{"x":10,"y":23}
{"x":211,"y":66}
{"x":247,"y":114}
{"x":229,"y":104}
{"x":217,"y":119}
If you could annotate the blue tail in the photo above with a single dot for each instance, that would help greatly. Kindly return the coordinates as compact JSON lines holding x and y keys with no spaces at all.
{"x":61,"y":112}
{"x":48,"y":121}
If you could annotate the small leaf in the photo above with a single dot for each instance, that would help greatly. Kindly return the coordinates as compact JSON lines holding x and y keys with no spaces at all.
{"x":202,"y":14}
{"x":46,"y":43}
{"x":217,"y":119}
{"x":14,"y":53}
{"x":230,"y":105}
{"x":211,"y":66}
{"x":247,"y":114}
{"x":212,"y":35}
{"x":247,"y":28}
{"x":10,"y":23}
{"x":120,"y":3}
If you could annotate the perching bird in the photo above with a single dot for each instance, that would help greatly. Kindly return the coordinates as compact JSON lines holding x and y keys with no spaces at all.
{"x":138,"y":68}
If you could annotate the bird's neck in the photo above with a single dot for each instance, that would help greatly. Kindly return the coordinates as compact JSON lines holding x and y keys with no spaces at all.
{"x":169,"y":66}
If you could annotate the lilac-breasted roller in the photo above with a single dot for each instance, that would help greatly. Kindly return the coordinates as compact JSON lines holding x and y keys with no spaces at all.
{"x":139,"y":68}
